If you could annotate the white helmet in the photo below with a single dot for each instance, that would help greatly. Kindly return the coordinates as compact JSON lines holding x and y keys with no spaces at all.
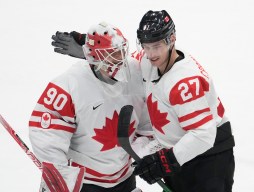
{"x":107,"y":49}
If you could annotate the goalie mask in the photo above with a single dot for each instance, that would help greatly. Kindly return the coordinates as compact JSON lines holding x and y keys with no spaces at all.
{"x":107,"y":49}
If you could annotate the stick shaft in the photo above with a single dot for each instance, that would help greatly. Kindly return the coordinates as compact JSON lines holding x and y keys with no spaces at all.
{"x":123,"y":137}
{"x":20,"y":142}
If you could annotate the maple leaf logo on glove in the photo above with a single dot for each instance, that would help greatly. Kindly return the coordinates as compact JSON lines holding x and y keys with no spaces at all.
{"x":108,"y":134}
{"x":158,"y":119}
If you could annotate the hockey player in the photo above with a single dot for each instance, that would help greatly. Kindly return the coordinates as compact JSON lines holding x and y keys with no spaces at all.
{"x":75,"y":119}
{"x":186,"y":113}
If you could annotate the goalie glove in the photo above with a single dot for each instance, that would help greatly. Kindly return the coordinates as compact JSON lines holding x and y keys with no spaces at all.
{"x":59,"y":178}
{"x":69,"y":43}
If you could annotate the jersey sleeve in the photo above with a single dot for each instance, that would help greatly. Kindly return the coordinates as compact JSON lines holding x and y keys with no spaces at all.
{"x":52,"y":124}
{"x":145,"y":127}
{"x":138,"y":55}
{"x":190,"y":100}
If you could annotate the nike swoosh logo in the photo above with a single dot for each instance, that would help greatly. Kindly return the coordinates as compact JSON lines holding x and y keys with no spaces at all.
{"x":95,"y":107}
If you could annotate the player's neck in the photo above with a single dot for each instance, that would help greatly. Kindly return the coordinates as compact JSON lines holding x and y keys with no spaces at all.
{"x":173,"y":57}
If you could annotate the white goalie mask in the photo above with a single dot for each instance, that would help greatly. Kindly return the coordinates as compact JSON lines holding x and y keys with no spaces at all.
{"x":107,"y":49}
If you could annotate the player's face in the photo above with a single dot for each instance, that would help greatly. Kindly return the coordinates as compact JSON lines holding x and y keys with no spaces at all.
{"x":114,"y":61}
{"x":116,"y":64}
{"x":115,"y":57}
{"x":157,"y":53}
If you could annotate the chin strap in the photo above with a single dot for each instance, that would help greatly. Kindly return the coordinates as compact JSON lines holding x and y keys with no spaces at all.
{"x":161,"y":74}
{"x":169,"y":57}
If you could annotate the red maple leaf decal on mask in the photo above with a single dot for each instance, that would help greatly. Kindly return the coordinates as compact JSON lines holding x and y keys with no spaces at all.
{"x":108,"y":134}
{"x":158,"y":119}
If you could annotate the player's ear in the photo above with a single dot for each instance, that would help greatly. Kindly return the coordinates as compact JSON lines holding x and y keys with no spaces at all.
{"x":173,"y":38}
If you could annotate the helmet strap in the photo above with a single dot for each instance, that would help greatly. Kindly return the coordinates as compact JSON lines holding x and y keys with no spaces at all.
{"x":169,"y":57}
{"x":161,"y":74}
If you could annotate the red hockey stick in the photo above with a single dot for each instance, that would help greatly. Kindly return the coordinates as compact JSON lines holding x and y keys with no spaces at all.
{"x":20,"y":142}
{"x":49,"y":178}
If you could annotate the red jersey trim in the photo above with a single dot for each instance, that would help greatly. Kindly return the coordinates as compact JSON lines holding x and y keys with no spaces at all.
{"x":108,"y":181}
{"x":199,"y":123}
{"x":52,"y":126}
{"x":97,"y":174}
{"x":192,"y":115}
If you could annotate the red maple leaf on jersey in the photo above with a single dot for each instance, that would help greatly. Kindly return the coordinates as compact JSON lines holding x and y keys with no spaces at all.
{"x":45,"y":117}
{"x":108,"y":134}
{"x":158,"y":119}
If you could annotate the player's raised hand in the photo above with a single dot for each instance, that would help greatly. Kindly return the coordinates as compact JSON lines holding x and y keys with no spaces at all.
{"x":69,"y":43}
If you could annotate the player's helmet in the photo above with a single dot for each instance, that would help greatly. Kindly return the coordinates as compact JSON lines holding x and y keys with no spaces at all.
{"x":106,"y":48}
{"x":155,"y":26}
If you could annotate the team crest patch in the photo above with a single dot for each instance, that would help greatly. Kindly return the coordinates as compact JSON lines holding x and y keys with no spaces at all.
{"x":45,"y":120}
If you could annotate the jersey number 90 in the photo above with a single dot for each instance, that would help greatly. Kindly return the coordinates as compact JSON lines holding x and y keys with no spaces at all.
{"x":57,"y":100}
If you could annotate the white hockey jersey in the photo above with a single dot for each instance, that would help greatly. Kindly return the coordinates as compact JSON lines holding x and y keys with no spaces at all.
{"x":184,"y":108}
{"x":76,"y":117}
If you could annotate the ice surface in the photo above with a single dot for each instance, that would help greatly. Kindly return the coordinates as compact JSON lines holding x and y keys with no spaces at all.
{"x":219,"y":34}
